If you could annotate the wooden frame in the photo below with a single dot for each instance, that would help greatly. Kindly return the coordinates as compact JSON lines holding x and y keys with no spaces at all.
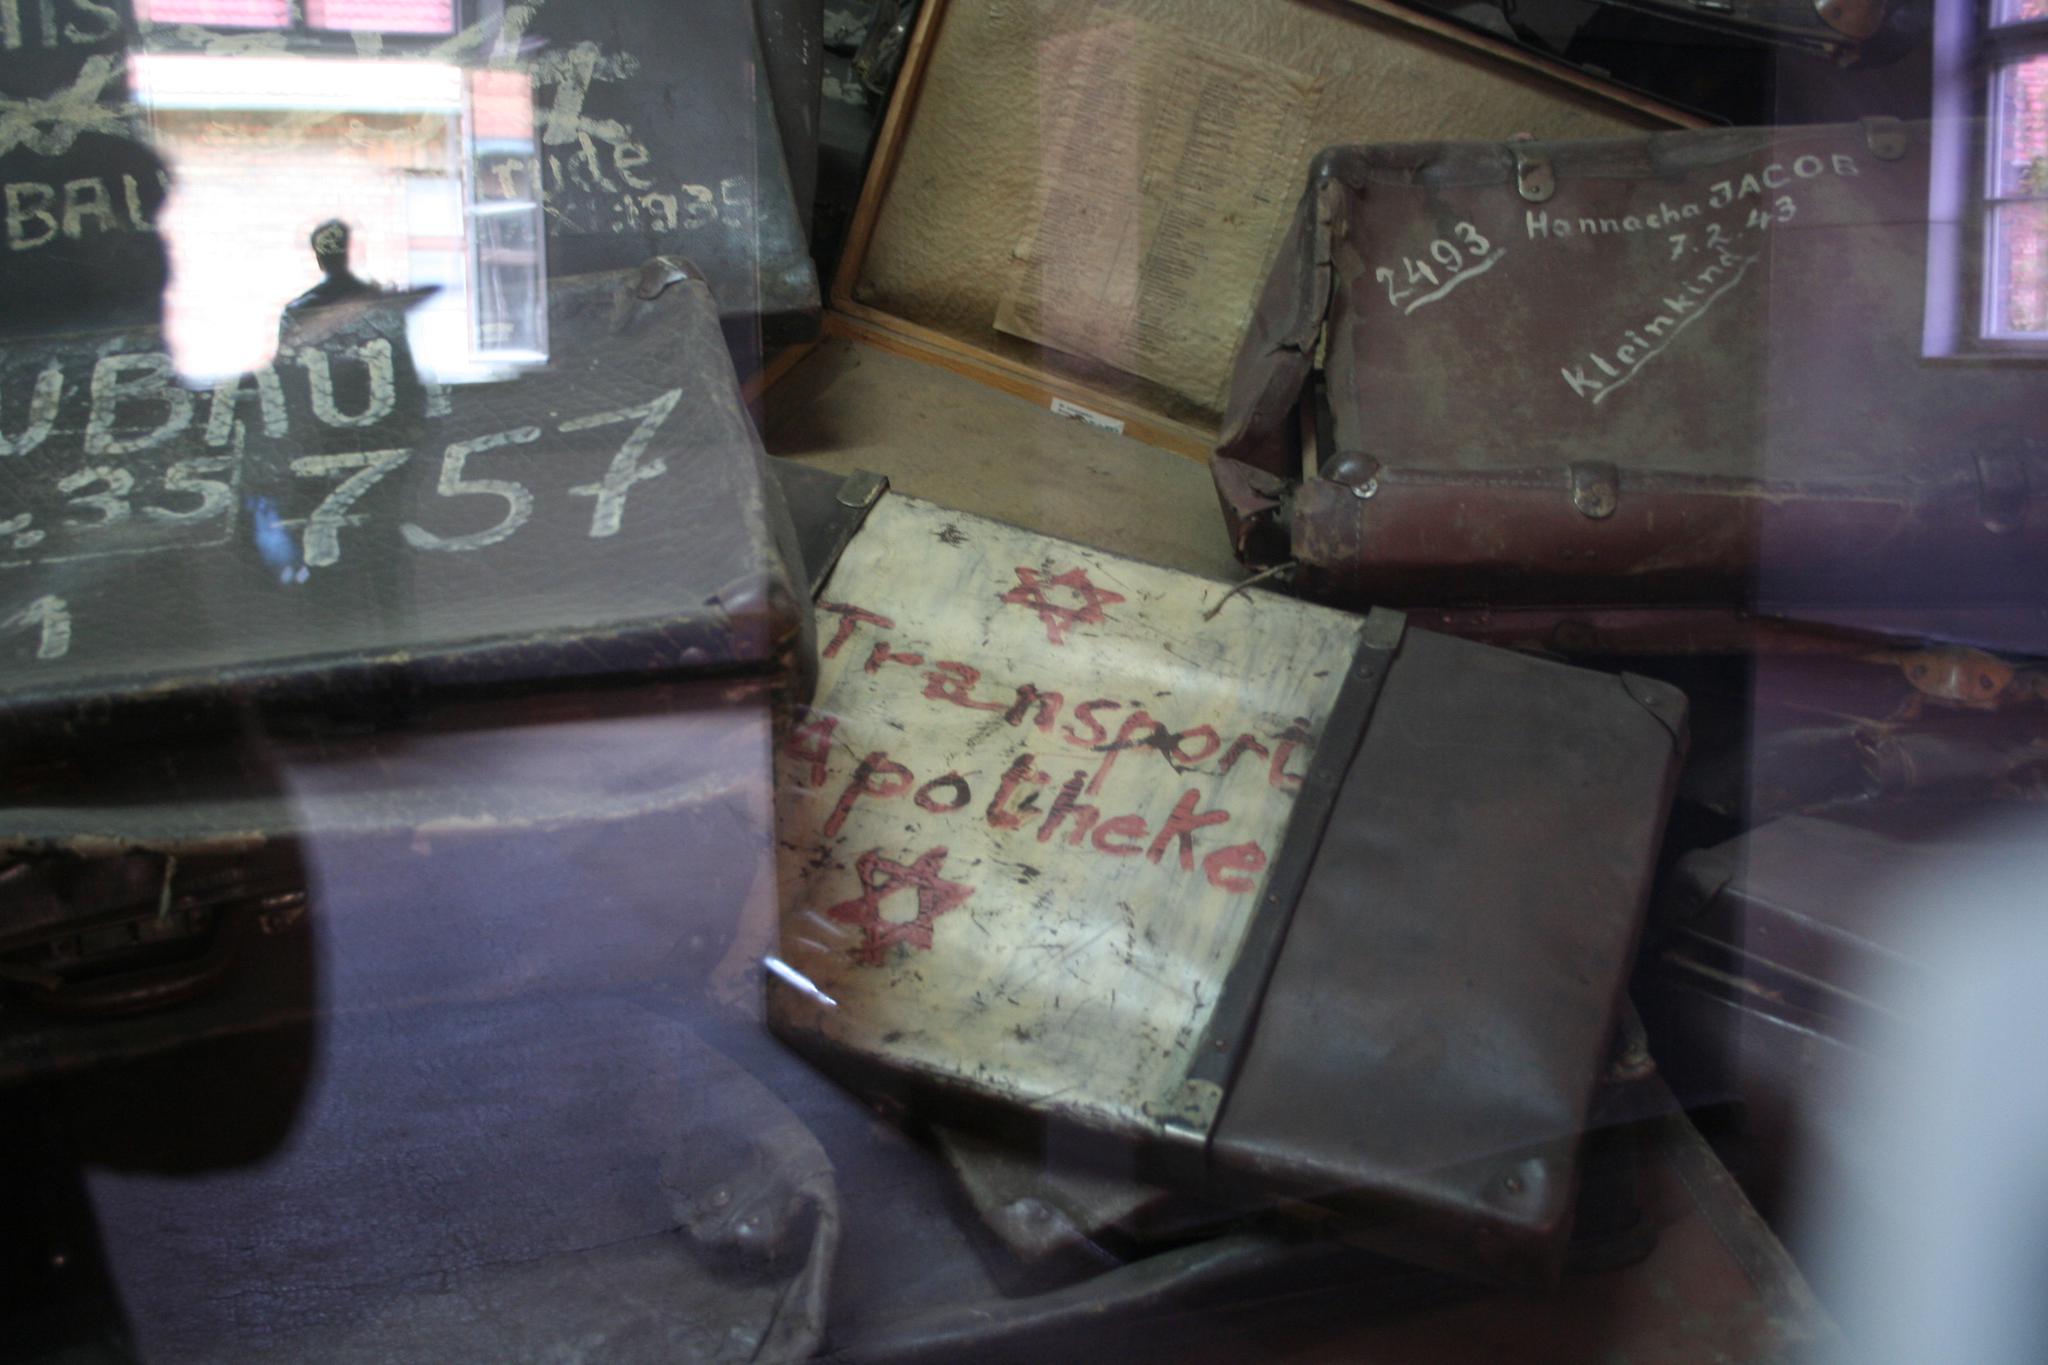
{"x":847,"y":317}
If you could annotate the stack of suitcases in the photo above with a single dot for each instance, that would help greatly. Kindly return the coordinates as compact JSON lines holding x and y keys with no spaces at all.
{"x":513,"y":870}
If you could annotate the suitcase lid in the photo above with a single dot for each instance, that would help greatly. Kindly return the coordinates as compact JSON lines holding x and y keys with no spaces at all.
{"x":331,"y":533}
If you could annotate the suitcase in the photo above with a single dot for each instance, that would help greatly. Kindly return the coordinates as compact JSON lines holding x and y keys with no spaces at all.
{"x":594,"y":133}
{"x":1073,"y":844}
{"x":980,"y":166}
{"x":1708,"y":1281}
{"x":530,"y":655}
{"x":351,"y":859}
{"x":1668,"y":319}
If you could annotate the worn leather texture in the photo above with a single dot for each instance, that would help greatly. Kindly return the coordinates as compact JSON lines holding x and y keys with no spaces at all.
{"x":1452,"y":970}
{"x":1653,"y":378}
{"x":328,"y":530}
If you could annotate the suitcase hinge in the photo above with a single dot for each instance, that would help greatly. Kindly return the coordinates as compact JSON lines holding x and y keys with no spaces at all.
{"x":1533,"y":175}
{"x":2001,"y":492}
{"x":1595,"y":488}
{"x":1885,"y":136}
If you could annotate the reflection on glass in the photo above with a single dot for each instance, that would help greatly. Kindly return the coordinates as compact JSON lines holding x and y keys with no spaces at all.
{"x":216,"y":13}
{"x":2018,"y":11}
{"x":2018,"y":279}
{"x":263,"y":149}
{"x":383,"y":16}
{"x":2019,"y":129}
{"x":2016,"y":218}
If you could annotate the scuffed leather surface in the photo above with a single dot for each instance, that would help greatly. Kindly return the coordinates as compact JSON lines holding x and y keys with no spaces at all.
{"x":695,"y":578}
{"x":1746,"y":462}
{"x":1451,"y":974}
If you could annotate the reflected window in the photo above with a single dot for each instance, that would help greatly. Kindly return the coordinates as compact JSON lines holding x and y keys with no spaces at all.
{"x":262,"y":149}
{"x":2015,"y":304}
{"x":1987,"y":285}
{"x":367,"y":16}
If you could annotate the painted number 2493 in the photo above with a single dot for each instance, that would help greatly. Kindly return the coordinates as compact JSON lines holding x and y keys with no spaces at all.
{"x":361,"y":470}
{"x":1451,"y":255}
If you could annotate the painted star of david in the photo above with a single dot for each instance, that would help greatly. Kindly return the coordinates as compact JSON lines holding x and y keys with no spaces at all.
{"x":1030,"y":592}
{"x":880,"y":878}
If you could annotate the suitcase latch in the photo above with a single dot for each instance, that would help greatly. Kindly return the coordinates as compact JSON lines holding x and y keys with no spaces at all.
{"x":2001,"y":492}
{"x":1533,"y":175}
{"x":1595,"y":488}
{"x":1885,"y":136}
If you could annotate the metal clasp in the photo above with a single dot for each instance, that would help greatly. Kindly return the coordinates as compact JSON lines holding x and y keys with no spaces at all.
{"x":1534,"y":178}
{"x":1885,"y":136}
{"x":1595,"y":488}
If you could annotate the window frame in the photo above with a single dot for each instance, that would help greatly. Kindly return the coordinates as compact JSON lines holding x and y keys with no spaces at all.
{"x":1971,"y":50}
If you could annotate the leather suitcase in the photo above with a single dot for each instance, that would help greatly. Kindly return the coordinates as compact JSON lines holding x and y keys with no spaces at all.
{"x":1076,"y":845}
{"x":1637,"y":374}
{"x":515,"y":650}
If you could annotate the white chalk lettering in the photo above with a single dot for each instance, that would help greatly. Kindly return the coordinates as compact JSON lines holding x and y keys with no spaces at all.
{"x":52,"y":618}
{"x":21,"y":213}
{"x":220,"y":418}
{"x":383,"y":395}
{"x":183,"y":477}
{"x":625,"y":469}
{"x":323,"y":528}
{"x":454,"y":483}
{"x":42,"y":413}
{"x":111,"y":505}
{"x":110,"y":390}
{"x":87,"y":198}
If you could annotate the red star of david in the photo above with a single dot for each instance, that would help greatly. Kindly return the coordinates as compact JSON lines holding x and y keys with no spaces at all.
{"x":1030,"y":592}
{"x":881,"y":877}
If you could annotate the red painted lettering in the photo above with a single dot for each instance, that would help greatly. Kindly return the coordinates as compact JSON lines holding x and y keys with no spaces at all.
{"x":850,"y":620}
{"x":882,"y":654}
{"x":1211,"y":743}
{"x":1218,"y":866}
{"x":1048,"y":704}
{"x":1014,"y":776}
{"x":1238,"y":748}
{"x":1181,"y":825}
{"x":1132,"y":723}
{"x":1085,"y":713}
{"x":813,"y":740}
{"x":954,"y":682}
{"x":1292,"y":738}
{"x":1068,"y":803}
{"x":1123,"y":827}
{"x":927,"y":801}
{"x":895,"y":781}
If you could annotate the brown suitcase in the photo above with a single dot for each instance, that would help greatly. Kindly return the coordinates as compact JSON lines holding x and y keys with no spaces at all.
{"x":1703,"y":368}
